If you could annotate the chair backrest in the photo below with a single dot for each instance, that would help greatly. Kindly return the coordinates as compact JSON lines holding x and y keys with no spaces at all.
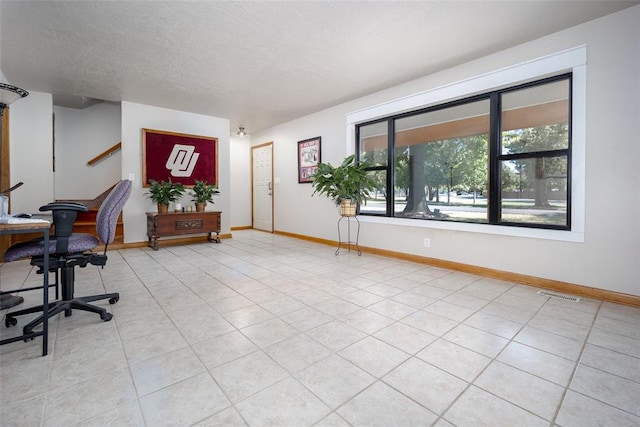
{"x":107,"y":217}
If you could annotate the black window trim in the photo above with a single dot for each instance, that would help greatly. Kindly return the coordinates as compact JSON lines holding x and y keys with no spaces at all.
{"x":494,"y":146}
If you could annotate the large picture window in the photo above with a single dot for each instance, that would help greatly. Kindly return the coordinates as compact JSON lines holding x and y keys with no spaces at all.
{"x":502,"y":157}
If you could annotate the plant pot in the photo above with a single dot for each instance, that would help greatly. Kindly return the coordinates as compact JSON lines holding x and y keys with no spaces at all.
{"x":201,"y":206}
{"x":162,"y":208}
{"x":348,"y":207}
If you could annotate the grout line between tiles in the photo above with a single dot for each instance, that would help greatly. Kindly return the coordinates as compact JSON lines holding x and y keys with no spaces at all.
{"x":575,"y":367}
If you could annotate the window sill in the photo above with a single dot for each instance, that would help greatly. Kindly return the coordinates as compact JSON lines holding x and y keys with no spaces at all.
{"x":501,"y":230}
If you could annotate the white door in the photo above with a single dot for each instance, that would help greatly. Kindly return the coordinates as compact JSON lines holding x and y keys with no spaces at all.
{"x":262,"y":171}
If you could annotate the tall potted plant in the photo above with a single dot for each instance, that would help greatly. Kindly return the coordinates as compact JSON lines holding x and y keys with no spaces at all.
{"x":164,"y":192}
{"x":203,"y":193}
{"x":346,"y":185}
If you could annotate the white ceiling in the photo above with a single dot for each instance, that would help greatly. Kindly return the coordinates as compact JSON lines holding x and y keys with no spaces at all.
{"x":258,"y":63}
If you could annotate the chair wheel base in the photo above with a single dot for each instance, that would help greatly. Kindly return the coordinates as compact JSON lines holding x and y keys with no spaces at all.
{"x":114,"y":300}
{"x":8,"y":301}
{"x":10,"y":321}
{"x":106,"y":316}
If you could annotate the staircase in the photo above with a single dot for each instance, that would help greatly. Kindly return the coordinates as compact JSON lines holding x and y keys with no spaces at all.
{"x":86,"y":221}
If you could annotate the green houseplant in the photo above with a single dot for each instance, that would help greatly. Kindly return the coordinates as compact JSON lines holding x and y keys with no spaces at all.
{"x":203,"y":193}
{"x":164,"y":192}
{"x":346,"y":185}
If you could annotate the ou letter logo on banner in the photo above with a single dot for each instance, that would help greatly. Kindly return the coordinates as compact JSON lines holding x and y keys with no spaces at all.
{"x":182,"y":160}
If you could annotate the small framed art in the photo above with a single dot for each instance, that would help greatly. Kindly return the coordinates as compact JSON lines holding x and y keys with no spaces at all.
{"x":308,"y":158}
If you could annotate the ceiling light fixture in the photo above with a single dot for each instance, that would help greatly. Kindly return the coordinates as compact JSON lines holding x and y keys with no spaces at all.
{"x":241,"y":133}
{"x":8,"y":94}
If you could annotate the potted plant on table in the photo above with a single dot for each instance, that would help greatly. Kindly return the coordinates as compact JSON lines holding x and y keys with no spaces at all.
{"x":203,"y":193}
{"x":164,"y":192}
{"x":346,"y":185}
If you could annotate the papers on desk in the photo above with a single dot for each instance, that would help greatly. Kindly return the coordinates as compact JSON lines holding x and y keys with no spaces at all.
{"x":13,"y":220}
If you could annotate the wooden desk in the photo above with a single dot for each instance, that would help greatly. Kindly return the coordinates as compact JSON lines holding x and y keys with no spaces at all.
{"x":179,"y":223}
{"x":33,"y":228}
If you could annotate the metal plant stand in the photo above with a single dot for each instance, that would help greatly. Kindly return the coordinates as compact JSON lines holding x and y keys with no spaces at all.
{"x":349,"y":242}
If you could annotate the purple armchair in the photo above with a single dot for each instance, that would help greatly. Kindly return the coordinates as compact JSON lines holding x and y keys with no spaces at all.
{"x":68,"y":250}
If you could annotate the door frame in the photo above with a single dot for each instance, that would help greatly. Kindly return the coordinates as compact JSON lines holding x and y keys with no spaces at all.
{"x":5,"y":175}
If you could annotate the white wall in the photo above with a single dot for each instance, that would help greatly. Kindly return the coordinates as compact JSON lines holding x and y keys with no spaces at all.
{"x":135,"y":117}
{"x":81,"y":135}
{"x":240,"y":213}
{"x":295,"y":211}
{"x":609,"y":255}
{"x":31,"y":151}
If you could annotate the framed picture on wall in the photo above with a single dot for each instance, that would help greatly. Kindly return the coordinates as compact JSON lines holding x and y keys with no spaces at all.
{"x":308,"y":158}
{"x":179,"y":157}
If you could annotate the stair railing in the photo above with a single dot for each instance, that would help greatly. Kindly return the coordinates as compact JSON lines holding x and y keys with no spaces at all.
{"x":107,"y":153}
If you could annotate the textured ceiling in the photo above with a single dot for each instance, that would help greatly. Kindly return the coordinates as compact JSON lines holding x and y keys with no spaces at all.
{"x":258,"y":63}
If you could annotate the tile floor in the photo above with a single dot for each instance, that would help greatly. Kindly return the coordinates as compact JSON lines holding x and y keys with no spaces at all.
{"x":269,"y":330}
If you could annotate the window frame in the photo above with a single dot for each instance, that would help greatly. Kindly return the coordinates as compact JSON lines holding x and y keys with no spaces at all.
{"x":573,"y":60}
{"x":495,"y":143}
{"x":495,"y":155}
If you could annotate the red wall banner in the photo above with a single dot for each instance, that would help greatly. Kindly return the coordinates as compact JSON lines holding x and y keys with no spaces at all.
{"x":178,"y":157}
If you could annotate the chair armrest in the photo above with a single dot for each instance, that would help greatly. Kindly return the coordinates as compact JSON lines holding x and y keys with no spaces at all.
{"x":69,"y":206}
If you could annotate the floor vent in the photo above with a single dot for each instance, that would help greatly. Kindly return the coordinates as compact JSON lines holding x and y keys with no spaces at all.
{"x":559,"y":295}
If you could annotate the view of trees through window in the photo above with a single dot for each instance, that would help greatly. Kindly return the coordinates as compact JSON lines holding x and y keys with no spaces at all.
{"x":447,"y":165}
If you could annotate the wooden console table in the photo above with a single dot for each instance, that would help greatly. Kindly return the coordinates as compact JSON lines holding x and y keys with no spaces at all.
{"x":177,"y":223}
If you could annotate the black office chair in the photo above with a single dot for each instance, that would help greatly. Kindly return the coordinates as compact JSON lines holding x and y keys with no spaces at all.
{"x":68,"y":250}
